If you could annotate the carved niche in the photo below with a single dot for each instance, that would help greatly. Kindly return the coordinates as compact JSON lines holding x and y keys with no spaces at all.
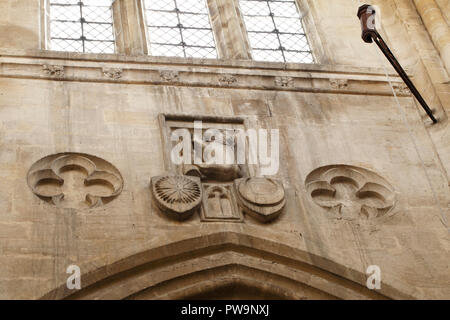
{"x":401,"y":88}
{"x":219,"y":203}
{"x":227,"y":190}
{"x":351,"y":193}
{"x":75,"y":180}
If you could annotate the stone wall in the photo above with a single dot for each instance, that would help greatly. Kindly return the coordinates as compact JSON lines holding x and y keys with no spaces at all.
{"x":338,"y":119}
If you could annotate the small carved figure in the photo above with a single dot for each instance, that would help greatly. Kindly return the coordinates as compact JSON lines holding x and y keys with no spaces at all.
{"x":227,"y":79}
{"x":169,"y":75}
{"x":284,"y":81}
{"x":53,"y":71}
{"x":113,"y":73}
{"x":219,"y":204}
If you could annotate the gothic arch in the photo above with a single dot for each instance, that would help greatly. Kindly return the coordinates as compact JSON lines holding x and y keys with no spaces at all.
{"x":224,"y":265}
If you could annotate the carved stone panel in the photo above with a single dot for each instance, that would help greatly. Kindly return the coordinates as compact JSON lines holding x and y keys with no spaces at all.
{"x":75,"y":180}
{"x":228,"y":128}
{"x":227,"y":189}
{"x":262,"y":198}
{"x":401,"y":88}
{"x":176,"y":195}
{"x":219,"y":203}
{"x":351,"y":193}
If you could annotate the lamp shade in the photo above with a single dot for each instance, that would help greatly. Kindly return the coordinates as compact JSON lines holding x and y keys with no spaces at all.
{"x":366,"y":15}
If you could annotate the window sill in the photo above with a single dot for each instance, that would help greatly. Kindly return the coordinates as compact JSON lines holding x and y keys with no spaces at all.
{"x":215,"y":73}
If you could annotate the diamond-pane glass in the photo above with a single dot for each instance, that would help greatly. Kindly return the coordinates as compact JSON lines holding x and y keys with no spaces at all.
{"x":67,"y":45}
{"x":167,"y":50}
{"x":164,"y":36}
{"x":262,"y":40}
{"x":275,"y":31}
{"x":82,"y":26}
{"x":180,"y":28}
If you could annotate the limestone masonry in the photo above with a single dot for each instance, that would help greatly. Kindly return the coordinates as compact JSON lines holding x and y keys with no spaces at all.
{"x":363,"y":179}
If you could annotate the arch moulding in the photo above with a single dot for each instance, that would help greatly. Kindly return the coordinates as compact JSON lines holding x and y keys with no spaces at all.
{"x":224,"y":265}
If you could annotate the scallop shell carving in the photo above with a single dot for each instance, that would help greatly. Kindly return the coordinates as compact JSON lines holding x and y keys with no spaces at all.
{"x":177,"y":195}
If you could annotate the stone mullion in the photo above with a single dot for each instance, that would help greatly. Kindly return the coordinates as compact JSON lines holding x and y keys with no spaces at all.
{"x":45,"y":25}
{"x":129,"y":25}
{"x":229,"y":30}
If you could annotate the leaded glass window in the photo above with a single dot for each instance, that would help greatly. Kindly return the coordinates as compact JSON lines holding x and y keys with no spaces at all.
{"x":81,"y":26}
{"x":180,"y":28}
{"x":275,"y":31}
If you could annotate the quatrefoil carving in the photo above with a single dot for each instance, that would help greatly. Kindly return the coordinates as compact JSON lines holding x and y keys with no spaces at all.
{"x":75,"y":181}
{"x":350,"y":192}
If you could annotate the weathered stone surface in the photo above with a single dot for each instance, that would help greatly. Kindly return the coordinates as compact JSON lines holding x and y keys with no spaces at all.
{"x":340,"y":112}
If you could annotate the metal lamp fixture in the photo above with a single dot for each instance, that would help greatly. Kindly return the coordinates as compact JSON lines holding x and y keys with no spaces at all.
{"x":366,"y":14}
